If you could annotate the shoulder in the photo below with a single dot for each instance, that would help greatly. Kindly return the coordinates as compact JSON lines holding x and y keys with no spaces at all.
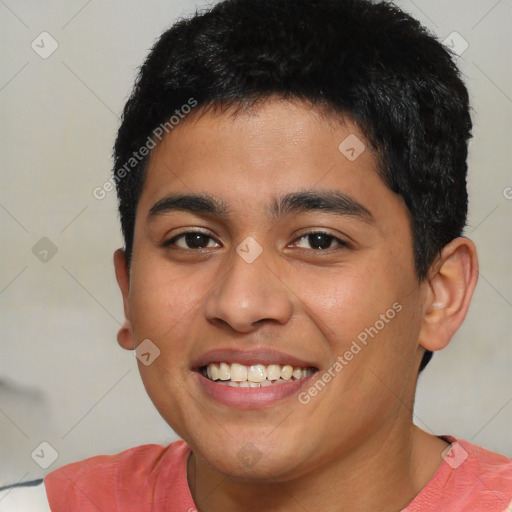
{"x":112,"y":480}
{"x":491,"y":467}
{"x":140,"y":459}
{"x":481,"y":475}
{"x":29,"y":497}
{"x":470,"y":478}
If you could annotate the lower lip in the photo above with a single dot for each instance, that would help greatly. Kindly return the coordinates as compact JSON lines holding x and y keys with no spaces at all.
{"x":250,"y":398}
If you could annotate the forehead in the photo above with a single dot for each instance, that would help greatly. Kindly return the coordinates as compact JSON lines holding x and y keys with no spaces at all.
{"x":251,"y":158}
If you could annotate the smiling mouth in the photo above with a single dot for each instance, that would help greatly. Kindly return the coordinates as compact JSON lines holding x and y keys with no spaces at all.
{"x":254,"y":376}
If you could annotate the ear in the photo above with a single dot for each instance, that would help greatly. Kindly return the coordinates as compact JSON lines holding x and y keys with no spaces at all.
{"x":450,"y":287}
{"x":125,"y":334}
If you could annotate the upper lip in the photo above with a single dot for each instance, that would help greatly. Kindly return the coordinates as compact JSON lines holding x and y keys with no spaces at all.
{"x":249,"y":357}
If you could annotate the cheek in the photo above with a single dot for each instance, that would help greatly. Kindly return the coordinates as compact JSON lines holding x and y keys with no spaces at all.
{"x":343,"y":302}
{"x":369,"y":318}
{"x":161,"y":301}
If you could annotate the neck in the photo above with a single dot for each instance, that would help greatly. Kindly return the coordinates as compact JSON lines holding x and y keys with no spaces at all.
{"x":385,"y":474}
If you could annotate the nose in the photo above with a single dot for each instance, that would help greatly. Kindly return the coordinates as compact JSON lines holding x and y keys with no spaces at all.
{"x":249,"y":295}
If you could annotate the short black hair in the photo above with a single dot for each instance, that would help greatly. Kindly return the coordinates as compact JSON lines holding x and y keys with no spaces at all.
{"x":368,"y":61}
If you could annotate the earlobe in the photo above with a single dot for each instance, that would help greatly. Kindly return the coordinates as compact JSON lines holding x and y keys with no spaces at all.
{"x":450,"y":289}
{"x":125,"y":334}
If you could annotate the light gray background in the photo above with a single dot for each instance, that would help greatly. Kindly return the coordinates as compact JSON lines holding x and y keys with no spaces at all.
{"x":64,"y":378}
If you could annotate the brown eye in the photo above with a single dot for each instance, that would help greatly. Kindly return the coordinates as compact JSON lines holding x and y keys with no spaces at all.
{"x":319,"y":241}
{"x":192,"y":240}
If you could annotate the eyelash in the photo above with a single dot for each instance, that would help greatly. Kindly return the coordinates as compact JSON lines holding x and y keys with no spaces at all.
{"x":341,"y":244}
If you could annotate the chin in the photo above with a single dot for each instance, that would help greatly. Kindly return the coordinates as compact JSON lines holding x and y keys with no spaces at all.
{"x":253,"y":458}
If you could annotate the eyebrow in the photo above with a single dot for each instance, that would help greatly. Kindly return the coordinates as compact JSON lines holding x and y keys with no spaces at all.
{"x":327,"y":201}
{"x":298,"y":202}
{"x":199,"y":203}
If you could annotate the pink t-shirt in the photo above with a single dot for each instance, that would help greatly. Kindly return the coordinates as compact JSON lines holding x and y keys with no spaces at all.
{"x":154,"y":478}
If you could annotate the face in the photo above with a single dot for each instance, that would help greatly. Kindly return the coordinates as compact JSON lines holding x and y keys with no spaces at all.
{"x":261,"y":250}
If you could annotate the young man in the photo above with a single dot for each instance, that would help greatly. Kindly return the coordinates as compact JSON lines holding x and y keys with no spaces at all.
{"x":292,"y":190}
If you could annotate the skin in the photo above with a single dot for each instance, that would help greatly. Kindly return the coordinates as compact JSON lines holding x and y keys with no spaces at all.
{"x":353,"y":446}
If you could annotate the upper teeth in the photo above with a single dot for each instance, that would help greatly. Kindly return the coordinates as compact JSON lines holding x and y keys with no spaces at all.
{"x":255,"y":375}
